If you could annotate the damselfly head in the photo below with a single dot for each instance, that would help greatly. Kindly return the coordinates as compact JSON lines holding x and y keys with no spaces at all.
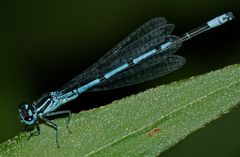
{"x":27,"y":114}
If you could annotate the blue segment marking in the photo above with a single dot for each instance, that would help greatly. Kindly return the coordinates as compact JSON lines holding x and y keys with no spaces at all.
{"x":164,"y":46}
{"x":145,"y":55}
{"x":214,"y":22}
{"x":115,"y":71}
{"x":89,"y":85}
{"x":217,"y":21}
{"x":70,"y":95}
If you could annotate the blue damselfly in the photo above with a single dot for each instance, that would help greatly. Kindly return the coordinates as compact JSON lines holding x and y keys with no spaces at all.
{"x":145,"y":54}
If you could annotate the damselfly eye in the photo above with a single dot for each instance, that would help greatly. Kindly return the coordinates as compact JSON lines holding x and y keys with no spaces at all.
{"x":23,"y":106}
{"x":29,"y":118}
{"x":27,"y":113}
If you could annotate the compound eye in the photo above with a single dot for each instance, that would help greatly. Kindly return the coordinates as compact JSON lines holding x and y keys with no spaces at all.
{"x":28,"y":118}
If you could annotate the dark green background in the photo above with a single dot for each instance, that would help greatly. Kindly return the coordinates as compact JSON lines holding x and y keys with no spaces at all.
{"x":45,"y":43}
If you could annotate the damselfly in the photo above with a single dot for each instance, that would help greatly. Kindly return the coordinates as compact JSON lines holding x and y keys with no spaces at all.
{"x":145,"y":54}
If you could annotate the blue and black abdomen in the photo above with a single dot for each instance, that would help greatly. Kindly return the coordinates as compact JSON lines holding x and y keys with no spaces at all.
{"x":140,"y":51}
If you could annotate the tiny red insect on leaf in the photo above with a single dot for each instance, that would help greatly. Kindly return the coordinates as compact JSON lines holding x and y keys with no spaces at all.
{"x":153,"y":131}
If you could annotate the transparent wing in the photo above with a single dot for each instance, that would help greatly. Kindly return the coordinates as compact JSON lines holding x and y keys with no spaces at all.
{"x":148,"y":35}
{"x":150,"y":69}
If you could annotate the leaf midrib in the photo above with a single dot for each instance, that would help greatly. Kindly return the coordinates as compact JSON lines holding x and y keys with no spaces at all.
{"x":169,"y":114}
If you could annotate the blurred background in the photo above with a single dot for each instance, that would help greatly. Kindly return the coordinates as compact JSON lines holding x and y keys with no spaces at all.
{"x":44,"y":44}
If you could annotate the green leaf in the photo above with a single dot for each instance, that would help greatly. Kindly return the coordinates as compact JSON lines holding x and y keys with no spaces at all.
{"x":145,"y":124}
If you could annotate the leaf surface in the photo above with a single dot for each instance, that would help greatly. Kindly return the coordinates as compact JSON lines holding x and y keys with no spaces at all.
{"x":145,"y":124}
